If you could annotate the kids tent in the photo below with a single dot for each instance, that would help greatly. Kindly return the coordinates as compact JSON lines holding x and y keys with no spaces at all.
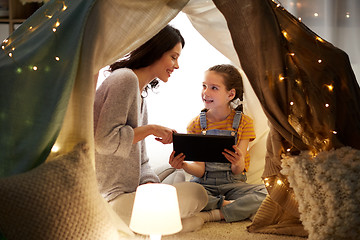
{"x":305,"y":86}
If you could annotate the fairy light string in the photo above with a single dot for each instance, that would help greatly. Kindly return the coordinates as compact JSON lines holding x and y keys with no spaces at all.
{"x":9,"y":47}
{"x":320,"y":60}
{"x":273,"y":181}
{"x":55,"y":17}
{"x":51,"y":19}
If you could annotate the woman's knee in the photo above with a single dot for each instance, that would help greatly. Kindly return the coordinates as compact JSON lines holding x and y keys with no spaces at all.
{"x":123,"y":206}
{"x":192,"y":198}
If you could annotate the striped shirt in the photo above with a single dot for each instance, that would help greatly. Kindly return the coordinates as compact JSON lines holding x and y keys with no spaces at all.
{"x":245,"y":130}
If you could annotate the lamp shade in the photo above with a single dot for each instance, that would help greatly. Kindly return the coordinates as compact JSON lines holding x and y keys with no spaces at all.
{"x":156,"y":210}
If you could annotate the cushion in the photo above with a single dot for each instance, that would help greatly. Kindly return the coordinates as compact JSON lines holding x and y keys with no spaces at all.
{"x":58,"y":200}
{"x":164,"y":171}
{"x":327,"y":188}
{"x":176,"y":177}
{"x":170,"y":175}
{"x":271,"y":218}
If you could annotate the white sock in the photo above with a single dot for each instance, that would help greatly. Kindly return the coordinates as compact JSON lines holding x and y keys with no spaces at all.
{"x":210,"y":216}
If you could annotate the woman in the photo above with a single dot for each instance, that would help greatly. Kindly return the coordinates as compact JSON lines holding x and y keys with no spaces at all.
{"x":120,"y":126}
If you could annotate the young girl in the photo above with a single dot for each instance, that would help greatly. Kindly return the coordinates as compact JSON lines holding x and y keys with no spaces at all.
{"x":230,"y":197}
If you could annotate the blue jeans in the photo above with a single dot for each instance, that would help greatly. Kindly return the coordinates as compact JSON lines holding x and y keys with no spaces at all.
{"x":222,"y":186}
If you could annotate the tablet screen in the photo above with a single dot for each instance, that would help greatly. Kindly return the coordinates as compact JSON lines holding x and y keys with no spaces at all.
{"x":202,"y":148}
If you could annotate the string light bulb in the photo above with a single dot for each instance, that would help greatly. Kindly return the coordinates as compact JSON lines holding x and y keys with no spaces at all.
{"x":316,"y":14}
{"x":55,"y":148}
{"x":327,"y":105}
{"x":330,"y":87}
{"x":281,"y":77}
{"x":319,"y":61}
{"x":64,"y":7}
{"x":319,"y":39}
{"x":34,"y":68}
{"x":285,"y":34}
{"x":57,"y":58}
{"x":266,"y":182}
{"x":57,"y":23}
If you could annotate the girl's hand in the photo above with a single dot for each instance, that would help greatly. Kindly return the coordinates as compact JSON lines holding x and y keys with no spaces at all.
{"x":236,"y":158}
{"x":177,"y":161}
{"x":163,"y":134}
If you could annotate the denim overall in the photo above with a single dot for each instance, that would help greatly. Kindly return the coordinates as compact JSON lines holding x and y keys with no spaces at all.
{"x":220,"y":183}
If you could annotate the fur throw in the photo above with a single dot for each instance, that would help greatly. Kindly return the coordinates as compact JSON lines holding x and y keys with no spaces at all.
{"x":327,"y":188}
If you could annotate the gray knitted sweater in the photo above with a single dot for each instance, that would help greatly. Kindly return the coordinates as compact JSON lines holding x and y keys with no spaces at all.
{"x":120,"y":165}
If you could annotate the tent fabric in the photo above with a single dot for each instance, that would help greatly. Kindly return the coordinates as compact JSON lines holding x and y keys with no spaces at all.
{"x":291,"y":69}
{"x":54,"y":102}
{"x":337,"y":21}
{"x":35,"y":85}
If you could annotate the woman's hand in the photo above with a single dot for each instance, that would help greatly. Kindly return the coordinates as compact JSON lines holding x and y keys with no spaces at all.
{"x":177,"y":161}
{"x":236,"y":158}
{"x":163,"y":134}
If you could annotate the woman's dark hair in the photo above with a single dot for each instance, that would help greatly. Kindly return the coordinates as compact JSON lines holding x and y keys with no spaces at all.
{"x":232,"y":80}
{"x":151,"y":51}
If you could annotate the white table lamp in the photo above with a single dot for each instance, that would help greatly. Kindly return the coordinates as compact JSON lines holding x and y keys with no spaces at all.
{"x":156,"y":210}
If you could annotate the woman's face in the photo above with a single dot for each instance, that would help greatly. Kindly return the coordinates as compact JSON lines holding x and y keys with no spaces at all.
{"x":168,"y":62}
{"x":214,"y":93}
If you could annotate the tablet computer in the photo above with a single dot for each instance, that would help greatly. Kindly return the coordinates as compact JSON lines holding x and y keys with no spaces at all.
{"x":202,"y":148}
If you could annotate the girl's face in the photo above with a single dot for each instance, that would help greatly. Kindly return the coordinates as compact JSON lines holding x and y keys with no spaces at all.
{"x":214,"y":93}
{"x":168,"y":62}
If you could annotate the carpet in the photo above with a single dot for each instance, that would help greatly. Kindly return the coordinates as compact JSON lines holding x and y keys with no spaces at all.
{"x":228,"y":231}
